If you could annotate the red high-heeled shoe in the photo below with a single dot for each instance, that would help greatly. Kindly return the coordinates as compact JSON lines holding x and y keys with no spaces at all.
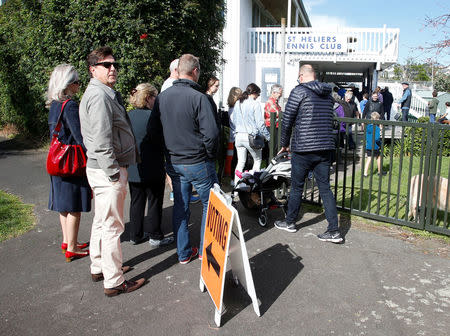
{"x":75,"y":255}
{"x":79,"y":245}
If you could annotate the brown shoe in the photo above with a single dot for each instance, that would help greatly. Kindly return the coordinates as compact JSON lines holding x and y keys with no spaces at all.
{"x":99,"y":276}
{"x":125,"y":287}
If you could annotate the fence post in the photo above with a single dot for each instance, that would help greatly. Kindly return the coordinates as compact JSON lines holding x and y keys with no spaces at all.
{"x":426,"y":177}
{"x":431,"y":183}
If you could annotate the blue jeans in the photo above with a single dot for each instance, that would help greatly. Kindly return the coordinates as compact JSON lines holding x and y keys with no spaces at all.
{"x":319,"y":163}
{"x":432,"y":118}
{"x":202,"y":176}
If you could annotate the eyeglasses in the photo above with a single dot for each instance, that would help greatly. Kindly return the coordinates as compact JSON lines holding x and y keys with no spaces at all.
{"x":77,"y":82}
{"x":107,"y":65}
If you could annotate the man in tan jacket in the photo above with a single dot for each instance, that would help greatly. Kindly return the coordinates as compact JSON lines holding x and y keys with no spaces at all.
{"x":111,"y":147}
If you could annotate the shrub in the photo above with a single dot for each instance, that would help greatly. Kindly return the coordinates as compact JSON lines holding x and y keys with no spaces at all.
{"x":412,"y":142}
{"x":145,"y":35}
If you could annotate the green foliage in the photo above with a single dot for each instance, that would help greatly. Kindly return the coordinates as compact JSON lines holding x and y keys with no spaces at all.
{"x":398,"y":72}
{"x":420,"y":72}
{"x":35,"y":36}
{"x":442,"y":82}
{"x":415,"y":141}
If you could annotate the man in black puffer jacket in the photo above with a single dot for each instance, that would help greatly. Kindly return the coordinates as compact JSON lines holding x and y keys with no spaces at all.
{"x":308,"y":117}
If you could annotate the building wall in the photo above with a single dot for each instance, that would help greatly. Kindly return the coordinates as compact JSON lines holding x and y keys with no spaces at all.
{"x":238,"y":19}
{"x":239,"y":68}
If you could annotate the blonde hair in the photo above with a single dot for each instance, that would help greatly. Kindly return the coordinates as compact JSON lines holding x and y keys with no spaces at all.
{"x":348,"y":94}
{"x":375,"y":116}
{"x":139,"y":95}
{"x":62,"y":76}
{"x":233,"y":96}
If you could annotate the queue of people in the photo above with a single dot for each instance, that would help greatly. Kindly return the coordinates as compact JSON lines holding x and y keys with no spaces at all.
{"x":174,"y":132}
{"x":173,"y":137}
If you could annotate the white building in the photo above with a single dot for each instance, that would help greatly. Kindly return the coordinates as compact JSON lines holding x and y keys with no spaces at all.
{"x":253,"y":48}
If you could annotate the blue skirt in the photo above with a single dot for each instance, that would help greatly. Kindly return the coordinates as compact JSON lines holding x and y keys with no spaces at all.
{"x":70,"y":194}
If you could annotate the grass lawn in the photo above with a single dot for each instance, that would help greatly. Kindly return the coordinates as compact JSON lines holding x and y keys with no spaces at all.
{"x":389,"y":196}
{"x":16,"y":217}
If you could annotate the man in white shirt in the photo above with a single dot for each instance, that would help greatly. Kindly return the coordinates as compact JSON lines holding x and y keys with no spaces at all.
{"x":173,"y":75}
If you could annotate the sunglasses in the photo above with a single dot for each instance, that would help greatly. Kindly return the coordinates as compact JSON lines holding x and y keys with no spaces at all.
{"x":107,"y":65}
{"x":77,"y":82}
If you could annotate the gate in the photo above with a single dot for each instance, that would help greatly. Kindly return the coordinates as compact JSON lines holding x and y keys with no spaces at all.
{"x":415,"y":158}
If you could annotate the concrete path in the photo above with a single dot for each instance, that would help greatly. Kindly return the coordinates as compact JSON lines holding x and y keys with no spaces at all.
{"x":371,"y":285}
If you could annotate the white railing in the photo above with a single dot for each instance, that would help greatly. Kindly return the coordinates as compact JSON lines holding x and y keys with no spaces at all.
{"x":364,"y":44}
{"x":419,"y":106}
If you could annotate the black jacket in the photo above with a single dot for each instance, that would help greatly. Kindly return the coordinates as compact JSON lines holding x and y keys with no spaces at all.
{"x":308,"y":117}
{"x":388,"y":99}
{"x":407,"y":102}
{"x":350,"y":109}
{"x":373,"y":106}
{"x":151,"y":167}
{"x":186,"y":119}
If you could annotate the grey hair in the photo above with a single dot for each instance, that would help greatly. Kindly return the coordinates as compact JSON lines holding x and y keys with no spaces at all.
{"x":173,"y":65}
{"x":187,"y":64}
{"x":276,"y":88}
{"x":62,"y":76}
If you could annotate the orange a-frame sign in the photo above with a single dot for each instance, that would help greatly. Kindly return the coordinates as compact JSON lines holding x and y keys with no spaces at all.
{"x":216,"y":241}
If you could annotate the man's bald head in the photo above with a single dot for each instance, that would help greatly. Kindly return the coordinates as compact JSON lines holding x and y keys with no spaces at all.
{"x":306,"y":73}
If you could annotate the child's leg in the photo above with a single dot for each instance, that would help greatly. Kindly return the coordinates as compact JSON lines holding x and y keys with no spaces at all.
{"x":366,"y":167}
{"x":379,"y":164}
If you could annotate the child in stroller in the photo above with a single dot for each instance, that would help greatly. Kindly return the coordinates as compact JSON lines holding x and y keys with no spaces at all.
{"x":256,"y":190}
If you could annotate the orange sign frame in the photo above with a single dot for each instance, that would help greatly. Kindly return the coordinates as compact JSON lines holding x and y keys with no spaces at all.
{"x":216,"y":242}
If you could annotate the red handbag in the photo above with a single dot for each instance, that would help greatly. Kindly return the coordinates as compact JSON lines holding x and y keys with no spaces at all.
{"x":62,"y":159}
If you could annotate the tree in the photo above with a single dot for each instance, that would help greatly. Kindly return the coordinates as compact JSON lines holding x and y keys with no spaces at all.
{"x":439,"y":23}
{"x":398,"y":72}
{"x":145,"y":35}
{"x":442,"y":82}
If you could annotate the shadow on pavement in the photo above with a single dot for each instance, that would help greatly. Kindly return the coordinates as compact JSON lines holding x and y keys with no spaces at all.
{"x":273,"y":270}
{"x":166,"y":225}
{"x":345,"y":223}
{"x":159,"y":267}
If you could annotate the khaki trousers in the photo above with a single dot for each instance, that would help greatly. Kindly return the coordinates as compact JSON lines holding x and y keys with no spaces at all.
{"x":107,"y":226}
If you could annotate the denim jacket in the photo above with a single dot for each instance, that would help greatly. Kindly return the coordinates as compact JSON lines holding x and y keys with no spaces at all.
{"x":248,"y":117}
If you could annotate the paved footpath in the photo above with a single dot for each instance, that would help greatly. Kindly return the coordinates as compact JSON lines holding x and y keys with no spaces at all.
{"x":371,"y":285}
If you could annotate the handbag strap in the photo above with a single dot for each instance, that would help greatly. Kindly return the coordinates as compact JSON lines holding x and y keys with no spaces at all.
{"x":58,"y":122}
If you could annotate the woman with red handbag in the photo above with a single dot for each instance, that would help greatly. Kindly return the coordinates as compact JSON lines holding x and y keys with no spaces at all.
{"x":69,"y":195}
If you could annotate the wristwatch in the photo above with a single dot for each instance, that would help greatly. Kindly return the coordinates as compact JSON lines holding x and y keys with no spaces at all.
{"x":115,"y":177}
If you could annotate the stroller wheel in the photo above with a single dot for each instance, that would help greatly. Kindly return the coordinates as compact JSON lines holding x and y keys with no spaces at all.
{"x":262,"y":219}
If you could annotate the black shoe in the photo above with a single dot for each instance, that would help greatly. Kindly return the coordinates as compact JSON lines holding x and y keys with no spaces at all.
{"x":334,"y":237}
{"x":283,"y":225}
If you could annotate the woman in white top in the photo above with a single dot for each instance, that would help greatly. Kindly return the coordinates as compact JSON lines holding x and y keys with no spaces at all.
{"x":248,"y":118}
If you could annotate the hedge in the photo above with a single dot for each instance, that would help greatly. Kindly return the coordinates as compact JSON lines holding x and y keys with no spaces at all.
{"x":145,"y":35}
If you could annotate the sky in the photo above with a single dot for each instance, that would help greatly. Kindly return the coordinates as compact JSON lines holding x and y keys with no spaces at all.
{"x":408,"y":15}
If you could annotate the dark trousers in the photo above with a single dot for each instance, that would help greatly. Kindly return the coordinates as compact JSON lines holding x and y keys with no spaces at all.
{"x":405,"y":112}
{"x":319,"y":162}
{"x":151,"y":193}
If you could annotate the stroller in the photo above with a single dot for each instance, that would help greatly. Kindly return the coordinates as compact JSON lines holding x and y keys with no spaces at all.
{"x":256,"y":190}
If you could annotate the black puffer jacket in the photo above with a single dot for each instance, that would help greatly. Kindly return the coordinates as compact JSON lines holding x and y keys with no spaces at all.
{"x":308,"y":117}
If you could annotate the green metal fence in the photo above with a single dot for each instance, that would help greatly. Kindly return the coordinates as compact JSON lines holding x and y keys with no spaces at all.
{"x":415,"y":158}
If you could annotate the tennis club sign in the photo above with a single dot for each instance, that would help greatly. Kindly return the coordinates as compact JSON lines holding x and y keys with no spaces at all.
{"x":317,"y":42}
